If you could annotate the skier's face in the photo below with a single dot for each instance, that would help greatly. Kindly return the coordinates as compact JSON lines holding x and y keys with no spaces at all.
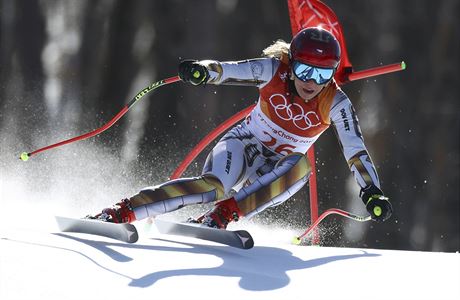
{"x":307,"y":90}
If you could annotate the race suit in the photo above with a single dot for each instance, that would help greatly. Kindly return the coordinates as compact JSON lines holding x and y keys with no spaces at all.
{"x":262,"y":161}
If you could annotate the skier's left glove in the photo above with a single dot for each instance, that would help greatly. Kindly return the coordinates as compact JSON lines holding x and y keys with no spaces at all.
{"x":378,"y":206}
{"x":191,"y":71}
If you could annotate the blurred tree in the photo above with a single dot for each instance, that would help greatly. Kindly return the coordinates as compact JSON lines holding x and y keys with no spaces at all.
{"x":21,"y":69}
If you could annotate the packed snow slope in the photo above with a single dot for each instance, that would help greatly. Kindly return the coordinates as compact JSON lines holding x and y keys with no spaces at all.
{"x":39,"y":262}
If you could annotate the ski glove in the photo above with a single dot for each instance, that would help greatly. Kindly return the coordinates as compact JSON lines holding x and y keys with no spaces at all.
{"x":191,"y":71}
{"x":376,"y":203}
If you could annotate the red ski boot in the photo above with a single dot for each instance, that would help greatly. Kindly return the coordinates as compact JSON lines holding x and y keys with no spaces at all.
{"x":223,"y":213}
{"x":121,"y":212}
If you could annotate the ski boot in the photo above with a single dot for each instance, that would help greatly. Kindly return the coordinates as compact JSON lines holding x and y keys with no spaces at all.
{"x":223,"y":213}
{"x":121,"y":212}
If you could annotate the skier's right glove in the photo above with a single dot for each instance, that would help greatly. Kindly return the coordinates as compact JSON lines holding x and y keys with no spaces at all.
{"x":378,"y":206}
{"x":191,"y":71}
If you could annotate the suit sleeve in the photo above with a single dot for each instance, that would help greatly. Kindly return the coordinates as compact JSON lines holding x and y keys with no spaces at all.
{"x":346,"y":125}
{"x":252,"y":72}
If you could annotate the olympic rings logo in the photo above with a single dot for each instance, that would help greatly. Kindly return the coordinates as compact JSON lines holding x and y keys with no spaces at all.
{"x":294,"y":112}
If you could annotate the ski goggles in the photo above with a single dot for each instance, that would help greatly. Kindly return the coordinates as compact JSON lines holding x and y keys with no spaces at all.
{"x":306,"y":72}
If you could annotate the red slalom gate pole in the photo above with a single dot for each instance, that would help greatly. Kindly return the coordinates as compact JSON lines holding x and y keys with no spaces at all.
{"x":377,"y":71}
{"x":25,"y":156}
{"x":208,"y":139}
{"x":313,"y":189}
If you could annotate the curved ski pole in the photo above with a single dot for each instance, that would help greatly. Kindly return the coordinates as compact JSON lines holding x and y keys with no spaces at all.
{"x":328,"y":212}
{"x":25,"y":156}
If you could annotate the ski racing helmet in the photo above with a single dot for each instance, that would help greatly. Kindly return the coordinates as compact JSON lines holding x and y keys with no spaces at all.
{"x":316,"y":47}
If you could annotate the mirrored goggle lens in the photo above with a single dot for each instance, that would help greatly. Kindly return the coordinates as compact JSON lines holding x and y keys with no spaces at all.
{"x":305,"y":72}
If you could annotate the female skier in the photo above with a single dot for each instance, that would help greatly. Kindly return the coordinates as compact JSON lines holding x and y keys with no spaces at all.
{"x":261,"y":162}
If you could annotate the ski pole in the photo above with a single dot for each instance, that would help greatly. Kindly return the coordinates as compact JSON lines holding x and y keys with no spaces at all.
{"x":25,"y":155}
{"x":296,"y":240}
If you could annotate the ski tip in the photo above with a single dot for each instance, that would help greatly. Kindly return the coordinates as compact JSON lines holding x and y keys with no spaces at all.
{"x":132,"y":234}
{"x":247,"y":242}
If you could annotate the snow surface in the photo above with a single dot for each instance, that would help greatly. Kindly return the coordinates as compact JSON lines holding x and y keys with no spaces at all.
{"x":41,"y":263}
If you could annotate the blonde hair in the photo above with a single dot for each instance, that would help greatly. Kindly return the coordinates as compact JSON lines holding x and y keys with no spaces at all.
{"x":279,"y":49}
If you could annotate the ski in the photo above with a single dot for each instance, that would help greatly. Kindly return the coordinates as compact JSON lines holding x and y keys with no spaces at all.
{"x":237,"y":238}
{"x":123,"y":232}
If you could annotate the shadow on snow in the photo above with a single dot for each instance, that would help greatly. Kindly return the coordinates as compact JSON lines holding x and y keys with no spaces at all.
{"x":259,"y":269}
